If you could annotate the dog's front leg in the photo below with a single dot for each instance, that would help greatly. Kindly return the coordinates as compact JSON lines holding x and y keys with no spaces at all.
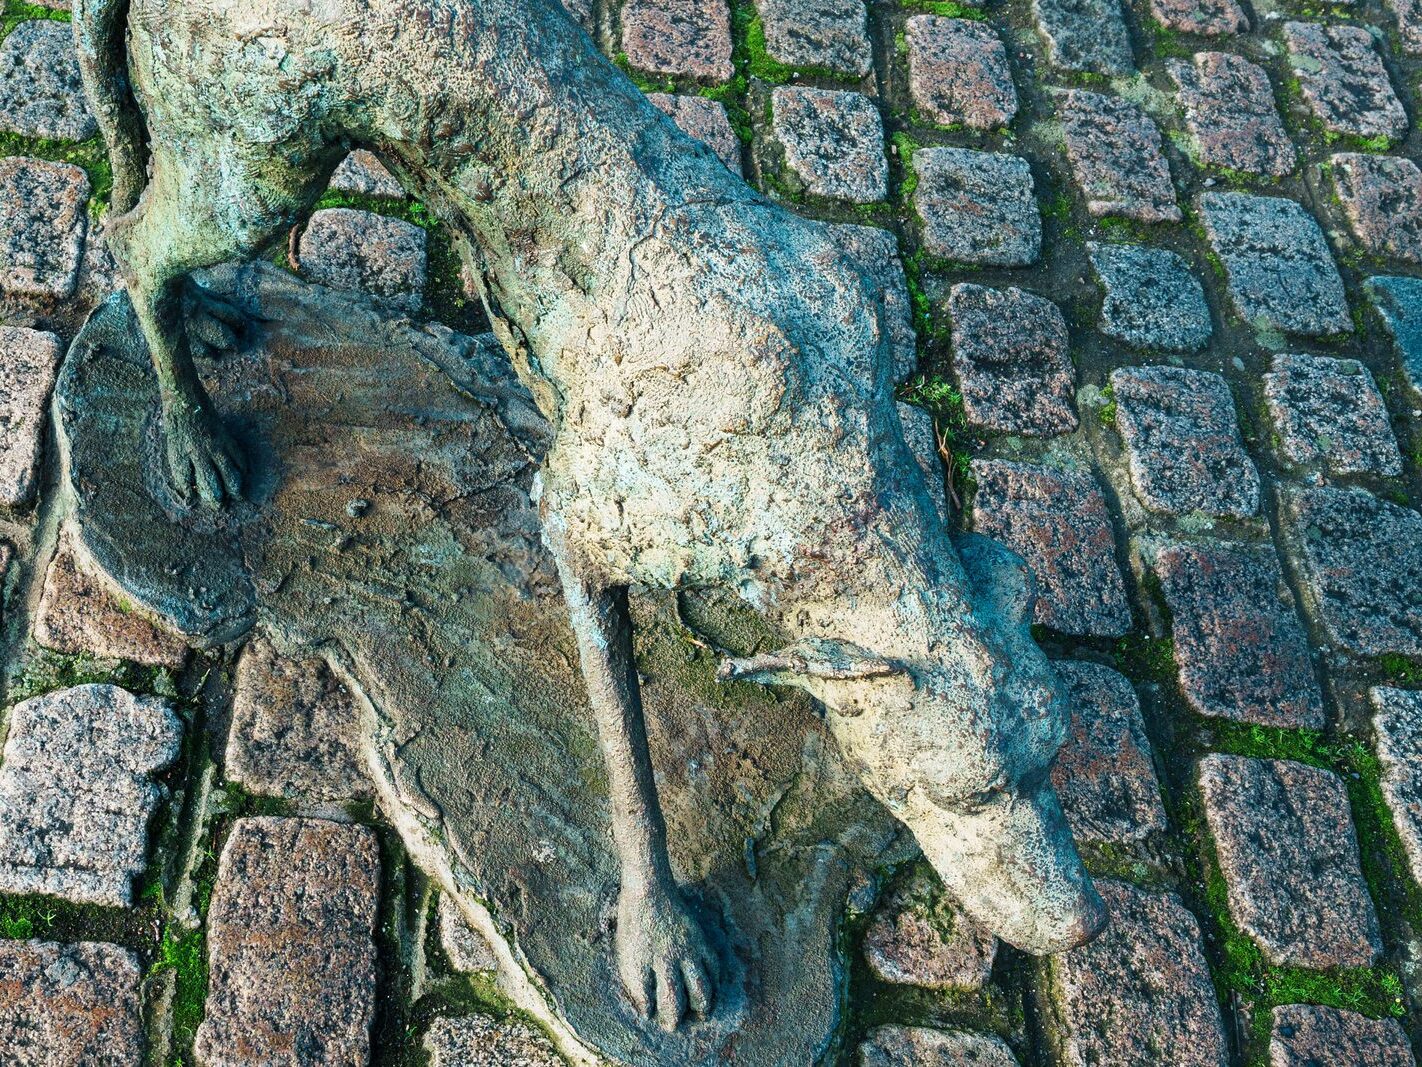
{"x":663,"y":958}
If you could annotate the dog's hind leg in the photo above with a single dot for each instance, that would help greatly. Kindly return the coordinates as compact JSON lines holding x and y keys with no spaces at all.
{"x":199,"y":210}
{"x":662,"y":954}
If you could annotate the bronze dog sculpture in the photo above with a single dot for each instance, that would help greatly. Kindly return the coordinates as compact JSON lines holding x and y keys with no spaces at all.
{"x":716,"y":371}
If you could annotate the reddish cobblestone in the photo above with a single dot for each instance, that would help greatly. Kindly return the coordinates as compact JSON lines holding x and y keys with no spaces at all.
{"x":1240,"y":647}
{"x":898,"y":1046}
{"x":70,"y":1005}
{"x":958,"y":72}
{"x":833,"y":141}
{"x":706,"y":120}
{"x":977,"y":207}
{"x":1284,"y":837}
{"x":1343,"y":79}
{"x":826,"y":34}
{"x":1209,"y":18}
{"x":689,"y":37}
{"x":1382,"y":199}
{"x":42,"y":225}
{"x":31,"y":360}
{"x":358,"y":251}
{"x":1057,"y":521}
{"x":921,"y":938}
{"x":1116,"y":156}
{"x":1306,"y":1035}
{"x":1397,"y":725}
{"x":1230,"y":113}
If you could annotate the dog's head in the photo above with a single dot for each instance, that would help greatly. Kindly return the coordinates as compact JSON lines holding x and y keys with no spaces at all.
{"x":955,"y":728}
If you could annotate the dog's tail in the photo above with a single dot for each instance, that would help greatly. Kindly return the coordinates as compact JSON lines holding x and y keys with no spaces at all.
{"x":100,"y":36}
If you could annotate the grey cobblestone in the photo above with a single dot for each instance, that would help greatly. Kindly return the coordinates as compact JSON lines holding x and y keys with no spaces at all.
{"x":1382,"y":199}
{"x":1286,"y":846}
{"x":31,"y":360}
{"x":465,"y":946}
{"x":42,"y":226}
{"x":1011,"y":355}
{"x":362,"y":174}
{"x":898,"y":1046}
{"x":1240,"y":647}
{"x":958,"y":72}
{"x":1357,"y":556}
{"x":481,"y":1041}
{"x":290,"y":945}
{"x":1230,"y":113}
{"x":75,"y":794}
{"x":1116,"y":156}
{"x":1104,"y":774}
{"x":1281,"y":274}
{"x":977,"y":207}
{"x":70,"y":1005}
{"x":1152,"y":300}
{"x":1397,"y":726}
{"x":1328,"y":412}
{"x":829,"y":34}
{"x":1140,"y":987}
{"x":1085,"y":35}
{"x":1409,"y":23}
{"x":919,"y":937}
{"x":1057,"y":521}
{"x":1306,"y":1035}
{"x":1209,"y":18}
{"x":40,"y":91}
{"x":833,"y":141}
{"x":1343,"y":79}
{"x":1182,"y":442}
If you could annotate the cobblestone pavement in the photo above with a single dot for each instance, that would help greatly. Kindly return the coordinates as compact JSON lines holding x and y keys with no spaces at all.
{"x":1153,"y":277}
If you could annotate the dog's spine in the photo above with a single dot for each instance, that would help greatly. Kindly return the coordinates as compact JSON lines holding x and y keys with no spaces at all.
{"x":100,"y":37}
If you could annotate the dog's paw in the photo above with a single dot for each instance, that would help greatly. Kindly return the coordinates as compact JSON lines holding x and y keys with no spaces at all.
{"x":215,"y":326}
{"x":663,"y":957}
{"x":204,"y":463}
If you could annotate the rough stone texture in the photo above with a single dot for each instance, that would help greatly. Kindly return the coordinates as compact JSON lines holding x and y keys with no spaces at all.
{"x":1397,"y":726}
{"x":75,"y":1005}
{"x":43,"y":218}
{"x":1399,"y":303}
{"x":1307,"y":1035}
{"x":1182,"y":442}
{"x":1011,"y":353}
{"x":1284,"y":836}
{"x":40,"y":91}
{"x":919,"y":1046}
{"x":977,"y":207}
{"x":876,"y":252}
{"x":80,"y":612}
{"x":1057,"y":521}
{"x":1230,"y":113}
{"x":828,"y":34}
{"x":466,"y":947}
{"x":1240,"y":647}
{"x":1209,"y":18}
{"x":688,"y":37}
{"x":1329,"y":412}
{"x":921,"y":436}
{"x":75,"y":795}
{"x":366,"y":253}
{"x":362,"y":174}
{"x":1343,"y":79}
{"x":1116,"y":156}
{"x":30,"y":359}
{"x":1085,"y":35}
{"x":1382,"y":199}
{"x":294,"y":730}
{"x":1409,"y":23}
{"x":833,"y":141}
{"x":1105,"y":775}
{"x":958,"y":72}
{"x":706,"y":120}
{"x":480,"y":1041}
{"x":290,"y":945}
{"x":921,"y":938}
{"x":1281,"y":273}
{"x":1141,"y":987}
{"x":1357,"y":556}
{"x":1152,"y":300}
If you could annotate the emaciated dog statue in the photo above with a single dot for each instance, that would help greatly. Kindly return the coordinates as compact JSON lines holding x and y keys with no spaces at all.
{"x":716,"y":371}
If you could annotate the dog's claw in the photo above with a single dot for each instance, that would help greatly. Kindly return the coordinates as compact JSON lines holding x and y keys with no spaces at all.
{"x":205,"y":463}
{"x":214,"y":324}
{"x":663,"y":957}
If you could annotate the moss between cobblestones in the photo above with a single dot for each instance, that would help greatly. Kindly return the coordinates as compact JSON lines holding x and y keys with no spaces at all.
{"x":17,"y":12}
{"x":947,"y":8}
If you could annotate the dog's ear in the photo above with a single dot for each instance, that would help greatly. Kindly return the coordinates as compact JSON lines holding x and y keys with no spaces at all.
{"x":813,"y":658}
